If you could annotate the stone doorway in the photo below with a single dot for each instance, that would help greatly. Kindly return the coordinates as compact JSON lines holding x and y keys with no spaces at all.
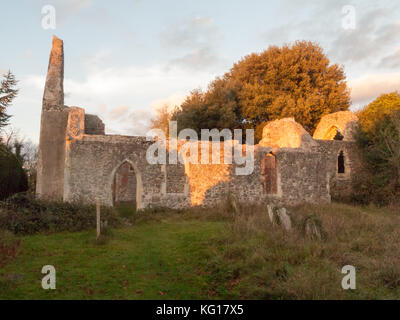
{"x":269,"y":174}
{"x":125,"y":186}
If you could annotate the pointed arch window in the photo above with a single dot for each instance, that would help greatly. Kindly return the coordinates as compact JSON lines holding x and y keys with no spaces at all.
{"x":341,"y":163}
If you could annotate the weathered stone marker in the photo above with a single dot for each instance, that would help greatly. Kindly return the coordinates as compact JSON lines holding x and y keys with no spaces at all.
{"x":98,"y":226}
{"x":279,"y":216}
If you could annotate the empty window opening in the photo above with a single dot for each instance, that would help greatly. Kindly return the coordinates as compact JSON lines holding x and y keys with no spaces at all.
{"x":341,"y":166}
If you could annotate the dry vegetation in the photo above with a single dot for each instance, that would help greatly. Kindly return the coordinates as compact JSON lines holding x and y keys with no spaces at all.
{"x":230,"y":252}
{"x":271,"y":263}
{"x":255,"y":259}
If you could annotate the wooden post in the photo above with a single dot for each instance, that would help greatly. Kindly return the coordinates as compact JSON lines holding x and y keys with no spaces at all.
{"x":98,"y":219}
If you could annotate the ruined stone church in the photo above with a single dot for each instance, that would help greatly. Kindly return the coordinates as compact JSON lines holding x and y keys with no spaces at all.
{"x":79,"y":162}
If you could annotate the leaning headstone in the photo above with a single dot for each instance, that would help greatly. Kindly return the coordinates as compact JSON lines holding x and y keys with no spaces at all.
{"x":285,"y":219}
{"x":312,"y":228}
{"x":271,"y":213}
{"x":279,"y":216}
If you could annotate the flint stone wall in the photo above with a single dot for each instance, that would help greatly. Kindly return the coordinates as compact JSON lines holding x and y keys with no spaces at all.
{"x":94,"y":125}
{"x":93,"y":161}
{"x":301,"y":177}
{"x":340,"y":183}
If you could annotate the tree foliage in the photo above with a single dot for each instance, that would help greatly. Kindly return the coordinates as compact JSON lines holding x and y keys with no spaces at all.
{"x":8,"y":92}
{"x":161,"y":121}
{"x":217,"y":107}
{"x":290,"y":81}
{"x":378,"y":109}
{"x":12,"y":176}
{"x":378,"y":139}
{"x":25,"y":151}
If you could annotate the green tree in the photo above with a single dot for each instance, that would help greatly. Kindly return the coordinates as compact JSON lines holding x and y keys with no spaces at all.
{"x":8,"y":92}
{"x":215,"y":108}
{"x":290,"y":81}
{"x":13,"y":178}
{"x":378,"y":139}
{"x":382,"y":106}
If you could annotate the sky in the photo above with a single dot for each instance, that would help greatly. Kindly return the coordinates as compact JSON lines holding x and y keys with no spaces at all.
{"x":124,"y":59}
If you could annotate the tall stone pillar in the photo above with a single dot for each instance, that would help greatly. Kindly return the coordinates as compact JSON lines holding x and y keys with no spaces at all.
{"x":53,"y":124}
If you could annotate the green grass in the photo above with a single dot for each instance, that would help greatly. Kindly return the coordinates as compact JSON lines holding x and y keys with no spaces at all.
{"x":213,"y":254}
{"x":126,"y":210}
{"x":150,"y":261}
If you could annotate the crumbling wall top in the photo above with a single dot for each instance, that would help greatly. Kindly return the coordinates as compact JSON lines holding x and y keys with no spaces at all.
{"x":343,"y":121}
{"x":286,"y":133}
{"x":53,"y":96}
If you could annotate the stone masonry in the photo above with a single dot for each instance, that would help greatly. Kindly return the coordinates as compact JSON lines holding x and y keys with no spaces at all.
{"x":79,"y":162}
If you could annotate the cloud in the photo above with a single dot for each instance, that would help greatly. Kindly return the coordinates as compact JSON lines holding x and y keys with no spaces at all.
{"x":102,"y":108}
{"x":198,"y":59}
{"x":377,"y":29}
{"x":373,"y":36}
{"x":194,"y":41}
{"x":125,"y":97}
{"x":28,"y":54}
{"x":367,"y":88}
{"x":196,"y":32}
{"x":68,"y":8}
{"x":391,"y":61}
{"x":139,"y":122}
{"x":118,"y":112}
{"x":173,"y":100}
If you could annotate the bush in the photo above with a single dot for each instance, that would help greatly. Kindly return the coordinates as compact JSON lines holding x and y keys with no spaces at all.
{"x":23,"y":214}
{"x":13,"y":178}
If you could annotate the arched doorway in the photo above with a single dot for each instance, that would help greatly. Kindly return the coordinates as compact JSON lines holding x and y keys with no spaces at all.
{"x":269,"y":174}
{"x":126,"y":186}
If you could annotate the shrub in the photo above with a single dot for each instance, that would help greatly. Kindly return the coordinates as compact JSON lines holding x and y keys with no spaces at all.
{"x":23,"y":214}
{"x":13,"y":178}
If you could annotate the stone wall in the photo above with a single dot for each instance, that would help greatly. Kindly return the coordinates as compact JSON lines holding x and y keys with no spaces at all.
{"x":51,"y":154}
{"x":94,"y":125}
{"x":94,"y":160}
{"x":301,"y":177}
{"x":340,"y":183}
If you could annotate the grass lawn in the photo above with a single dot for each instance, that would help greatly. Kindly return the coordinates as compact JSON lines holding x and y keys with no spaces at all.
{"x":212,"y":254}
{"x":150,"y":261}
